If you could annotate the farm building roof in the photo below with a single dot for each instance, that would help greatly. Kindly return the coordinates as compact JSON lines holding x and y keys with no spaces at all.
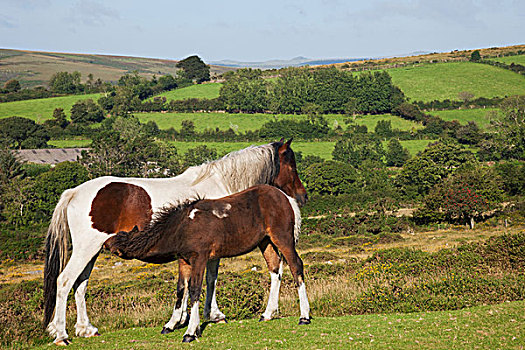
{"x":50,"y":155}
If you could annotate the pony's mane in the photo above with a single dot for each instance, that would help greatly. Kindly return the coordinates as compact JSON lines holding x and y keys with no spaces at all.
{"x":135,"y":242}
{"x":245,"y":168}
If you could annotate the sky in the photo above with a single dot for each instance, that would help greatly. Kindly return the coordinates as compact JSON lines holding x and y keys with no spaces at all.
{"x":260,"y":30}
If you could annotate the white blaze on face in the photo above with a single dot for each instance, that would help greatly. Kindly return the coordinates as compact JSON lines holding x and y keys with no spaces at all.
{"x":192,"y":213}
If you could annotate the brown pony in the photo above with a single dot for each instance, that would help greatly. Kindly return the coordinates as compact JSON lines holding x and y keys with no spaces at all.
{"x":203,"y":230}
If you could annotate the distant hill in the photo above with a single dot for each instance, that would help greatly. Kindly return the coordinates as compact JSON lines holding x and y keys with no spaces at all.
{"x":276,"y":64}
{"x":34,"y":68}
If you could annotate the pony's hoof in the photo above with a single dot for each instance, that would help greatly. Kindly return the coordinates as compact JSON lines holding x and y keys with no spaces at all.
{"x":188,"y":338}
{"x":96,"y":334}
{"x":222,"y":320}
{"x":63,"y":342}
{"x":304,"y":320}
{"x":166,"y":330}
{"x":263,"y":319}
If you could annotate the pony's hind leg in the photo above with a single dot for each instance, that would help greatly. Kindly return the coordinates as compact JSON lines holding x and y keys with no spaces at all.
{"x":197,"y":275}
{"x":83,"y":328}
{"x":211,"y":309}
{"x":80,"y":259}
{"x":180,"y":316}
{"x":275,"y":266}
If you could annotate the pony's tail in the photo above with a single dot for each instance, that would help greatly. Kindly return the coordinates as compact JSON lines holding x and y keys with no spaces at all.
{"x":56,"y":253}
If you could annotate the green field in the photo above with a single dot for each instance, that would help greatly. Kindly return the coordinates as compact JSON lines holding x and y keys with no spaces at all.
{"x":322,"y":149}
{"x":519,"y":59}
{"x":241,"y":122}
{"x":441,"y":81}
{"x":41,"y":109}
{"x":479,"y":115}
{"x":69,"y":143}
{"x":484,"y":327}
{"x":209,"y":91}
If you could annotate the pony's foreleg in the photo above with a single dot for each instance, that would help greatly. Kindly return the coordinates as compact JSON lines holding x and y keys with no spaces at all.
{"x":275,"y":266}
{"x":179,"y":317}
{"x":196,"y":278}
{"x":211,"y":309}
{"x":83,"y":328}
{"x":78,"y":262}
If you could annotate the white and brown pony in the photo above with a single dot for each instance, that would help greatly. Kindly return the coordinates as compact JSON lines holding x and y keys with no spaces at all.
{"x":197,"y":232}
{"x":91,"y":212}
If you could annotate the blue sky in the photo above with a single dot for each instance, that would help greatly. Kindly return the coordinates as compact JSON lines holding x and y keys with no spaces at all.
{"x":259,"y":30}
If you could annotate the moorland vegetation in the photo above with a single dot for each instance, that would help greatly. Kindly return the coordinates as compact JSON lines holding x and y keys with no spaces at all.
{"x":468,"y":177}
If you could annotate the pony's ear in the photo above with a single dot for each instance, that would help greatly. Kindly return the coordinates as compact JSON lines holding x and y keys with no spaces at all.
{"x":281,"y":140}
{"x":289,"y":142}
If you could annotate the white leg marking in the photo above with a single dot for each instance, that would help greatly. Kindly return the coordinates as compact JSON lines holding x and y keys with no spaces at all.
{"x":194,"y":320}
{"x":273,"y":299}
{"x":179,"y":315}
{"x":83,"y":328}
{"x":303,"y":301}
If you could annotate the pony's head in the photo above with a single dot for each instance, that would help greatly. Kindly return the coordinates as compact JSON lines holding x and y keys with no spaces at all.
{"x":288,"y":179}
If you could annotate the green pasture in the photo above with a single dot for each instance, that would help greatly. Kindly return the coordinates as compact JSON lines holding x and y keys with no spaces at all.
{"x":322,"y":149}
{"x":440,"y":81}
{"x":241,"y":122}
{"x":484,"y":327}
{"x":209,"y":91}
{"x":519,"y":59}
{"x":41,"y":109}
{"x":70,"y":143}
{"x":481,"y":116}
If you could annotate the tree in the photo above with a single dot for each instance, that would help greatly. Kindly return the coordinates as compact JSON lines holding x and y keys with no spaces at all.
{"x":466,"y":96}
{"x":396,"y":155}
{"x":507,"y":141}
{"x":86,"y":112}
{"x":469,"y":134}
{"x":167,"y":82}
{"x":358,"y":148}
{"x":384,"y":128}
{"x":475,"y":56}
{"x":12,"y":85}
{"x":435,"y":163}
{"x":47,"y":188}
{"x":59,"y":119}
{"x":65,"y":83}
{"x":123,"y":148}
{"x":462,"y":197}
{"x":21,"y":132}
{"x":331,"y":178}
{"x":194,"y":68}
{"x":246,"y":91}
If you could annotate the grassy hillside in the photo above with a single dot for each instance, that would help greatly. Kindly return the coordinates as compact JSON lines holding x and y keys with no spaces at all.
{"x":33,"y":68}
{"x":242,"y":122}
{"x":441,"y":81}
{"x":41,"y":109}
{"x":322,"y":149}
{"x":209,"y":91}
{"x":479,"y":115}
{"x":519,"y":59}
